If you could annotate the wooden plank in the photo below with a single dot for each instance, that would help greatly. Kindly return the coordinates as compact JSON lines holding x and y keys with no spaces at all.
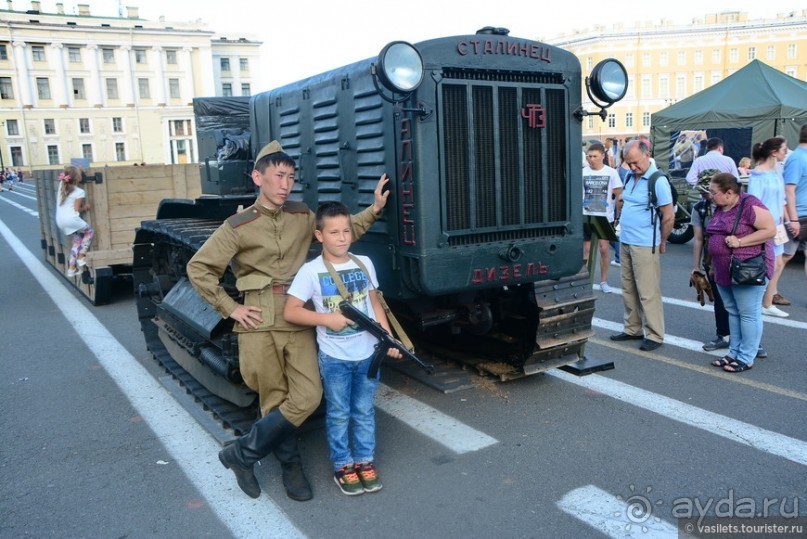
{"x":151,"y":199}
{"x":99,"y":214}
{"x":108,"y":258}
{"x":140,"y":185}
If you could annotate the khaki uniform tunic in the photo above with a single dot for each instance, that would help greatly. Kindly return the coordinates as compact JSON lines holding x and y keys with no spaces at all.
{"x":267,"y":248}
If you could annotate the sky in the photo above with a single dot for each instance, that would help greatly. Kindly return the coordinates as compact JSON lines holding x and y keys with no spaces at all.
{"x":308,"y":37}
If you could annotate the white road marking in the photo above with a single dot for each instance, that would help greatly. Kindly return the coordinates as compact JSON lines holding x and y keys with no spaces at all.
{"x":615,"y":517}
{"x":19,"y":206}
{"x":680,"y":342}
{"x":188,"y":444}
{"x":18,"y":193}
{"x":743,"y":433}
{"x":441,"y":428}
{"x":711,"y":309}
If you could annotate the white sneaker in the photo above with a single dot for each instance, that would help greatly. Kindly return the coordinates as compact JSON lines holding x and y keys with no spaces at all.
{"x":72,"y":273}
{"x":81,"y":262}
{"x":605,"y":288}
{"x":615,"y":263}
{"x":773,"y":310}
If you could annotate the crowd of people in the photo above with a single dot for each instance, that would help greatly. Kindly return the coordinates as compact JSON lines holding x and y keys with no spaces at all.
{"x":762,"y":224}
{"x":9,"y":177}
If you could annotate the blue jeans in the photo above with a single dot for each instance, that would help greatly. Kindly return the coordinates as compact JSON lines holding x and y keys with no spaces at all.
{"x":744,"y":305}
{"x":348,"y":406}
{"x":615,"y":245}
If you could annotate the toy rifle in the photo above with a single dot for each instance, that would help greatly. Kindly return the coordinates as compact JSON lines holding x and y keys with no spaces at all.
{"x":385,"y":340}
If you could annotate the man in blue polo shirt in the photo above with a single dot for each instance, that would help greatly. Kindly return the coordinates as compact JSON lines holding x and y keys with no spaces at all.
{"x":641,"y":246}
{"x":796,"y":196}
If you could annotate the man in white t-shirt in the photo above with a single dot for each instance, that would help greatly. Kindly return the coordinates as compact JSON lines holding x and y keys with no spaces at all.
{"x":601,"y":188}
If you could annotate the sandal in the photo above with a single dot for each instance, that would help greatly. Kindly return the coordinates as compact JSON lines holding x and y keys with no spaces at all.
{"x":723,"y":361}
{"x":737,"y":366}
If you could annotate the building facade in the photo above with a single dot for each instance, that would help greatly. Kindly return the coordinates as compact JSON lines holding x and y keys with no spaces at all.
{"x":110,"y":90}
{"x":667,"y":63}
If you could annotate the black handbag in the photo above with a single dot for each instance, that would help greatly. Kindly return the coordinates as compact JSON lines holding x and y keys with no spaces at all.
{"x":751,"y":272}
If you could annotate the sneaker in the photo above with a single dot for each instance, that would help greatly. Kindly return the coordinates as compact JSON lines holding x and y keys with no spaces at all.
{"x":368,"y":476}
{"x":762,"y":353}
{"x":605,"y":288}
{"x":348,"y":480}
{"x":616,"y":263}
{"x":778,"y":299}
{"x":81,"y":262}
{"x":72,"y":272}
{"x":717,"y":344}
{"x":773,"y":310}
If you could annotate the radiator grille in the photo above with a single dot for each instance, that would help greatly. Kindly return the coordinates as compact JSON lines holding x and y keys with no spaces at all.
{"x":503,"y":179}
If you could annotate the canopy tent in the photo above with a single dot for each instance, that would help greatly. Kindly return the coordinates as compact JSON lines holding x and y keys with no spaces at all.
{"x":755,"y":103}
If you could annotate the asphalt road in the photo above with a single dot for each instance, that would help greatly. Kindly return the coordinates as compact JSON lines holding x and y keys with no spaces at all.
{"x":95,"y":446}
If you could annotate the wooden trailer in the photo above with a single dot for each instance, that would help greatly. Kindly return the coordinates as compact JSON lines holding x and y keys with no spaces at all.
{"x":120,"y":198}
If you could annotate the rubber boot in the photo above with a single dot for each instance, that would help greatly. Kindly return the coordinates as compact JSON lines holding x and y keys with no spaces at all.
{"x":241,"y":455}
{"x":288,"y":454}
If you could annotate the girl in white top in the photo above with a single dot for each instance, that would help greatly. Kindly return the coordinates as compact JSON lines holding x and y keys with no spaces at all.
{"x":72,"y":201}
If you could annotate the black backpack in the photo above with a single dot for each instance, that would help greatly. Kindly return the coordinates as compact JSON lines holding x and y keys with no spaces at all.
{"x":653,"y":199}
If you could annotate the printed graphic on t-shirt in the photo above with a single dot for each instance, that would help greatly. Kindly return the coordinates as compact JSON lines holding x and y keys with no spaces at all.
{"x":595,"y":196}
{"x":357,"y":286}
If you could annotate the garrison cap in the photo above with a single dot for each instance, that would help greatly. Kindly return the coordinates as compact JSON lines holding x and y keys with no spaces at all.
{"x":272,"y":147}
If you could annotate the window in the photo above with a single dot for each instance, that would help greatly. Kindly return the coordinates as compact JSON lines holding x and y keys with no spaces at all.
{"x":646,"y":59}
{"x":84,"y":125}
{"x":12,"y":128}
{"x":225,"y":64}
{"x":74,"y":55}
{"x":631,"y":87}
{"x":734,"y":55}
{"x":645,"y":119}
{"x":663,"y":59}
{"x":108,"y":55}
{"x":699,"y":57}
{"x":791,"y":72}
{"x":173,"y":88}
{"x":143,"y":88}
{"x":180,"y":128}
{"x":752,"y":53}
{"x":715,"y":78}
{"x":664,"y":86}
{"x":697,"y":83}
{"x":117,"y":125}
{"x":50,"y":126}
{"x":646,"y":86}
{"x":226,"y":89}
{"x":589,"y":63}
{"x":6,"y":91}
{"x":38,"y":53}
{"x":681,"y":58}
{"x":86,"y":151}
{"x":771,"y":52}
{"x":245,"y":89}
{"x":3,"y":52}
{"x":111,"y":88}
{"x":791,"y":51}
{"x":120,"y":151}
{"x":591,"y":122}
{"x":140,"y":56}
{"x":715,"y":56}
{"x":16,"y":156}
{"x":629,"y":59}
{"x":243,"y":64}
{"x":53,"y":154}
{"x":680,"y":86}
{"x":612,"y":120}
{"x":170,"y":56}
{"x":43,"y":88}
{"x":628,"y":119}
{"x":78,"y":89}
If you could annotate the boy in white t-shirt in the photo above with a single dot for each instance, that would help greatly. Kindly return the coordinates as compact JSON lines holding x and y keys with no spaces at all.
{"x":601,"y":188}
{"x":345,"y":350}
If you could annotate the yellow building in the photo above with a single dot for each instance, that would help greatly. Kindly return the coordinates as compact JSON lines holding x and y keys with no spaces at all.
{"x":667,"y":62}
{"x":111,"y":90}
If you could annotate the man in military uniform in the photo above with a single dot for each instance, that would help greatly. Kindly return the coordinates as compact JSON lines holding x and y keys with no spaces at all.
{"x":268,"y":242}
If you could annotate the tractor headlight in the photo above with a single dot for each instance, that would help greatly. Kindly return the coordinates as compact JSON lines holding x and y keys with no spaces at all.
{"x":400,"y":67}
{"x":609,"y":81}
